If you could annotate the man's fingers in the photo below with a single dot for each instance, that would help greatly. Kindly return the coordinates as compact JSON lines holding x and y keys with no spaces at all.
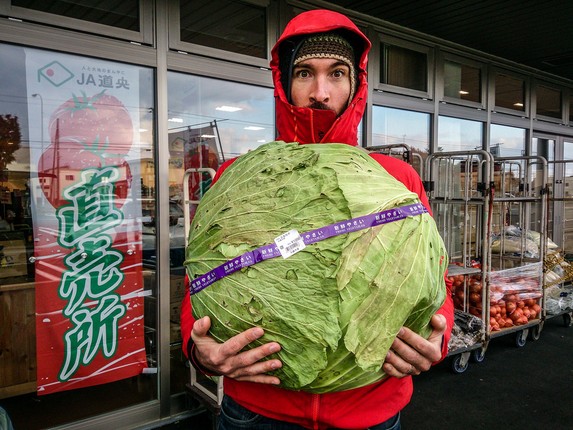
{"x":261,"y":379}
{"x":418,"y":350}
{"x":397,"y":367}
{"x":251,"y":362}
{"x":259,"y":368}
{"x":236,"y":344}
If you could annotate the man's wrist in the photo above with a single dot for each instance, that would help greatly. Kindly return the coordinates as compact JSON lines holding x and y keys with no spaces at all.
{"x":195,"y":363}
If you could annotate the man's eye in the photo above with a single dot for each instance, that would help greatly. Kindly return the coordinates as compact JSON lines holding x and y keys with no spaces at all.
{"x":338,"y":73}
{"x":302,"y":74}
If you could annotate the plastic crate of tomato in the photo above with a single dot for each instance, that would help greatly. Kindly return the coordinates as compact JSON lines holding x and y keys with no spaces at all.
{"x":515,"y":296}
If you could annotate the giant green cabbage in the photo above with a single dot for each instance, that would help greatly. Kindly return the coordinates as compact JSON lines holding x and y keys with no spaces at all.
{"x":336,"y":306}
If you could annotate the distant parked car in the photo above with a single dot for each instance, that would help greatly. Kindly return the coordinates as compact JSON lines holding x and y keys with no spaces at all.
{"x":177,"y":239}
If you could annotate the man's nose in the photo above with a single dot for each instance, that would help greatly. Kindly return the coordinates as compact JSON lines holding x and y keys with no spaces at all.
{"x":320,"y":91}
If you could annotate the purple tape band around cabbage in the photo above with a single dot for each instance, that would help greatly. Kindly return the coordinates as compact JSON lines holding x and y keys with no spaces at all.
{"x":267,"y":252}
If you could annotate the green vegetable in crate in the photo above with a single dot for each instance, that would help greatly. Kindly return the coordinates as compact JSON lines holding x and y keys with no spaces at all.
{"x":335,"y":306}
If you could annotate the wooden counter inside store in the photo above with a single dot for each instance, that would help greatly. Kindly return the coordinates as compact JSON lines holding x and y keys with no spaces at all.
{"x":18,"y":329}
{"x":17,"y":337}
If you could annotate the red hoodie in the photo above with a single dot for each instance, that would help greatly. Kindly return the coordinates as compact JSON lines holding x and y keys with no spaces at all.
{"x":360,"y":407}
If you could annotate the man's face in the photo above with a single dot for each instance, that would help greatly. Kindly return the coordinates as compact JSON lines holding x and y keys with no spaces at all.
{"x":321,"y":83}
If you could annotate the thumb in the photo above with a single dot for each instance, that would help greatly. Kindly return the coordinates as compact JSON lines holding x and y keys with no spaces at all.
{"x":202,"y":326}
{"x":438,"y":323}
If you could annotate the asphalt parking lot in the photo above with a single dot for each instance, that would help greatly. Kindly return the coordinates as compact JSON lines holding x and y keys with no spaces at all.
{"x":521,"y":388}
{"x":528,"y":387}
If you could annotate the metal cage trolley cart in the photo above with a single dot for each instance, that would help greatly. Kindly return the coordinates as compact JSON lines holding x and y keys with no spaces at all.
{"x":460,"y":191}
{"x":518,"y":247}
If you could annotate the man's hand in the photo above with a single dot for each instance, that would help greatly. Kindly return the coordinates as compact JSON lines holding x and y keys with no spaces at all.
{"x":229,"y":360}
{"x":411,"y":354}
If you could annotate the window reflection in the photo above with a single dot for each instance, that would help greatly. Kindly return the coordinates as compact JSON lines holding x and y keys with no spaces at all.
{"x":506,"y":141}
{"x":244,"y":114}
{"x":231,"y":26}
{"x":401,"y":128}
{"x":548,"y":102}
{"x":462,"y":81}
{"x":509,"y":92}
{"x":456,"y":134}
{"x":510,"y":174}
{"x":404,"y":68}
{"x":124,"y":14}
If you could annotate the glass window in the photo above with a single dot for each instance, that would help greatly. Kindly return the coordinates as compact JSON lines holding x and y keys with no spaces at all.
{"x":462,"y":81}
{"x":548,"y":102}
{"x":509,"y":92}
{"x":75,"y":136}
{"x":400,"y":131}
{"x":544,"y":147}
{"x":400,"y":127}
{"x":228,"y":25}
{"x":456,"y":134}
{"x":240,"y":116}
{"x":507,"y":141}
{"x":402,"y":67}
{"x":124,"y":14}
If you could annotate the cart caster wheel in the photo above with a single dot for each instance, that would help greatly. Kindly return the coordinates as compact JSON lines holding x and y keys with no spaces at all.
{"x":567,"y":320}
{"x":535,"y":332}
{"x":521,"y":338}
{"x":459,"y":364}
{"x":478,"y":355}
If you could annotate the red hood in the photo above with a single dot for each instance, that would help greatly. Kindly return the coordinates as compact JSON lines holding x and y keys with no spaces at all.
{"x":306,"y":125}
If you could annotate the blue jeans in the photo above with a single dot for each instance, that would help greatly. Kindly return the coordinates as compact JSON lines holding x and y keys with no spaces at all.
{"x":234,"y":417}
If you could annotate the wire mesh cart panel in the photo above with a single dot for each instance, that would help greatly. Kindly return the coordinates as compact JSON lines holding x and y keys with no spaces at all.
{"x":459,"y":186}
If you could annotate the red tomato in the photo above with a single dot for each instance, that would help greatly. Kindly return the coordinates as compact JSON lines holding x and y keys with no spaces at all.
{"x":100,"y":122}
{"x":60,"y":166}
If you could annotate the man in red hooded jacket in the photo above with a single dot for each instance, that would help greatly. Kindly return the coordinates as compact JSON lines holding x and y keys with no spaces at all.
{"x":319,"y":72}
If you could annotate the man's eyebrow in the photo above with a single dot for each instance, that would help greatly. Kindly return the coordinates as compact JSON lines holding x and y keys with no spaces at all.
{"x":304,"y":64}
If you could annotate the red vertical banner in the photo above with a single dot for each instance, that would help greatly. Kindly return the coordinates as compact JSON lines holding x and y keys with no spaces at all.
{"x":88,"y":251}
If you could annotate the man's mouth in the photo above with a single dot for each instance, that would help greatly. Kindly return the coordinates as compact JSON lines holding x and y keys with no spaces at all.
{"x":319,"y":105}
